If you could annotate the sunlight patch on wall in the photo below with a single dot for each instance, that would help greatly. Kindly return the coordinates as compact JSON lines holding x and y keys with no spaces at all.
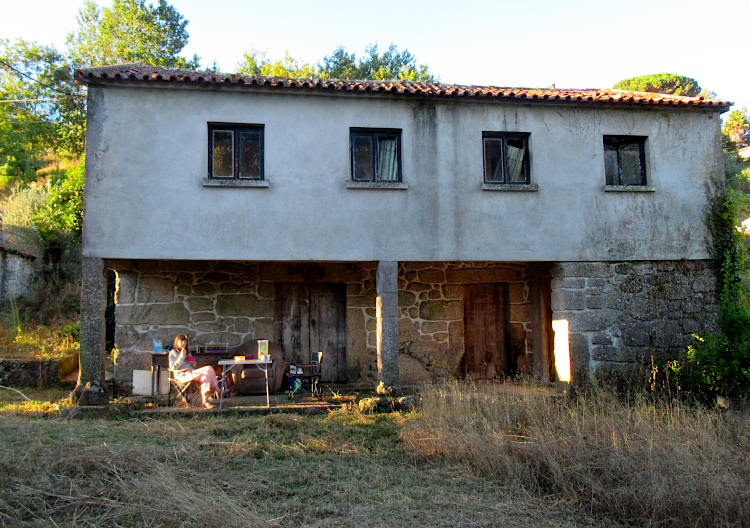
{"x":562,"y":349}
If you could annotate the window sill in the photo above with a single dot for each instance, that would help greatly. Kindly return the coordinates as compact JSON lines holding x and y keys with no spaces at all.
{"x":629,"y":188}
{"x":350,"y":184}
{"x":209,"y":182}
{"x":517,"y":187}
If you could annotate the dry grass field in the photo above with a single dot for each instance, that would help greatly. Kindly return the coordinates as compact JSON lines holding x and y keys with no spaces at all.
{"x":477,"y":457}
{"x":636,"y":460}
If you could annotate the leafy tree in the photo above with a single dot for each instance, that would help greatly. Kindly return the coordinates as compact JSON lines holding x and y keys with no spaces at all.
{"x":666,"y":83}
{"x":256,"y":63}
{"x":390,"y":64}
{"x":341,"y":65}
{"x":737,"y":128}
{"x":131,"y":31}
{"x":34,"y":83}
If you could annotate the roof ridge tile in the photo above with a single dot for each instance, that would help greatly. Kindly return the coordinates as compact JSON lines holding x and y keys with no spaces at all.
{"x":135,"y":73}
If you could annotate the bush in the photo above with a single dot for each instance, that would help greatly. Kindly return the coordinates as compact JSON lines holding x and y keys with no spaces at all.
{"x":18,"y":210}
{"x":719,"y":363}
{"x":63,"y":211}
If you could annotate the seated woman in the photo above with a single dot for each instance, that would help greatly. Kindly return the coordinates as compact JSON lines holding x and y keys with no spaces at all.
{"x":184,"y":371}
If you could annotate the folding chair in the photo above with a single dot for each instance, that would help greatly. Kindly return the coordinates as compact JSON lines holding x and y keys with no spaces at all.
{"x":307,"y":375}
{"x":182,"y":389}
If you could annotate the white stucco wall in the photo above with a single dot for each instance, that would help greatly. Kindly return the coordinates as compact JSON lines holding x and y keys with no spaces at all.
{"x":147,"y":156}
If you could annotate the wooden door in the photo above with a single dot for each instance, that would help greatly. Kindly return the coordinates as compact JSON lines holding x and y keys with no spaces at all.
{"x":312,"y":318}
{"x":486,"y":317}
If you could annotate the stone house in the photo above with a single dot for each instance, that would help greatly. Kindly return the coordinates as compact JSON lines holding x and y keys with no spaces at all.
{"x":406,"y":230}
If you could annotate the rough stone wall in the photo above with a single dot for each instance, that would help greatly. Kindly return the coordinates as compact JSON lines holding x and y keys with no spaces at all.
{"x":431,"y":304}
{"x":220,"y":302}
{"x":233,"y":302}
{"x":621,"y":313}
{"x":29,"y":372}
{"x":16,"y":274}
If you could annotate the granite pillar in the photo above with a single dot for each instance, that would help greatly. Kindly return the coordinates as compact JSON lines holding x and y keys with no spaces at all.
{"x":90,"y":387}
{"x":387,"y":323}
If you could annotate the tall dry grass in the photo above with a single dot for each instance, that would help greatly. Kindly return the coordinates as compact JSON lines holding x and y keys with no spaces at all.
{"x":636,"y":461}
{"x":95,"y":484}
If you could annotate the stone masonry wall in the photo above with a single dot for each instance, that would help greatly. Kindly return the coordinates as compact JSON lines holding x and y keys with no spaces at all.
{"x":621,"y":313}
{"x":220,"y":302}
{"x":17,"y":272}
{"x":431,"y":326}
{"x":233,"y":302}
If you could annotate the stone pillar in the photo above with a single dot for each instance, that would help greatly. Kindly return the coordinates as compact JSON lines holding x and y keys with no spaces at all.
{"x":387,"y":323}
{"x":90,"y":388}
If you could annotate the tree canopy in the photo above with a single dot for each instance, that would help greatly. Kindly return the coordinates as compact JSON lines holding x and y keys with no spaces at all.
{"x":40,"y":110}
{"x":131,"y":31}
{"x":255,"y":62}
{"x":666,"y":83}
{"x":737,"y":128}
{"x":390,"y":64}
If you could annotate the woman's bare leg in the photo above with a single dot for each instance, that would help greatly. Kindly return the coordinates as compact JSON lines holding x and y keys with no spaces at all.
{"x":207,"y":378}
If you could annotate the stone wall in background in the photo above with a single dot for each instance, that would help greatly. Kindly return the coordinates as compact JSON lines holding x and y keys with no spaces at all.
{"x":621,"y":313}
{"x":17,"y":272}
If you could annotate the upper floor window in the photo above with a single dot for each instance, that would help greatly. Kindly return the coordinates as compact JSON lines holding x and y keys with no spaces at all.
{"x":235,"y":151}
{"x":506,"y":157}
{"x":375,"y":154}
{"x":625,"y":160}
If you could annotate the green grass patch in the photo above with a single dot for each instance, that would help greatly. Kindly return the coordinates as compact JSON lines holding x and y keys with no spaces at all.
{"x":41,"y":401}
{"x":36,"y":341}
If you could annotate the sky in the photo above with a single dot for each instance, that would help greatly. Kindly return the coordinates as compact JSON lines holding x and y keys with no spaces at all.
{"x":581,"y":44}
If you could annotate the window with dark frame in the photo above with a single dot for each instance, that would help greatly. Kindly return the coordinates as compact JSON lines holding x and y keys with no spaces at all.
{"x":625,"y":160}
{"x":506,"y":157}
{"x":235,"y":151}
{"x":375,"y":155}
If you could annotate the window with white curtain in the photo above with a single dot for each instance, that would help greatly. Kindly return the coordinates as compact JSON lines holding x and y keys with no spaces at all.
{"x":375,"y":155}
{"x":235,"y":151}
{"x":625,"y":160}
{"x":506,"y":157}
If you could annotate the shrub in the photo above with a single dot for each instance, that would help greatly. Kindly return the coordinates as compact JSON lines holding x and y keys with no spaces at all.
{"x":719,"y":363}
{"x":18,"y":210}
{"x":63,"y":211}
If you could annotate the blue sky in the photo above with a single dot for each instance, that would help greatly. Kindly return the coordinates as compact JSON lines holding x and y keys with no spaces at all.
{"x":582,"y":44}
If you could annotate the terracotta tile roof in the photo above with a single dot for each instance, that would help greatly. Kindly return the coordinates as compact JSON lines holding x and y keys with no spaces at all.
{"x":129,"y":73}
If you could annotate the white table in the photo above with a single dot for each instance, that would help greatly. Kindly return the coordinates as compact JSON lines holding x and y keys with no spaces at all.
{"x":228,"y":364}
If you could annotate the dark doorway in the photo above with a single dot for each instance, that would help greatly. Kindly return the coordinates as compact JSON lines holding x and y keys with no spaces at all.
{"x":310,"y":318}
{"x":109,"y":313}
{"x":486,"y":321}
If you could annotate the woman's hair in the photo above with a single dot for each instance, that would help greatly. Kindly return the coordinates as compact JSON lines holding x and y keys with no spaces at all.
{"x":180,"y":337}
